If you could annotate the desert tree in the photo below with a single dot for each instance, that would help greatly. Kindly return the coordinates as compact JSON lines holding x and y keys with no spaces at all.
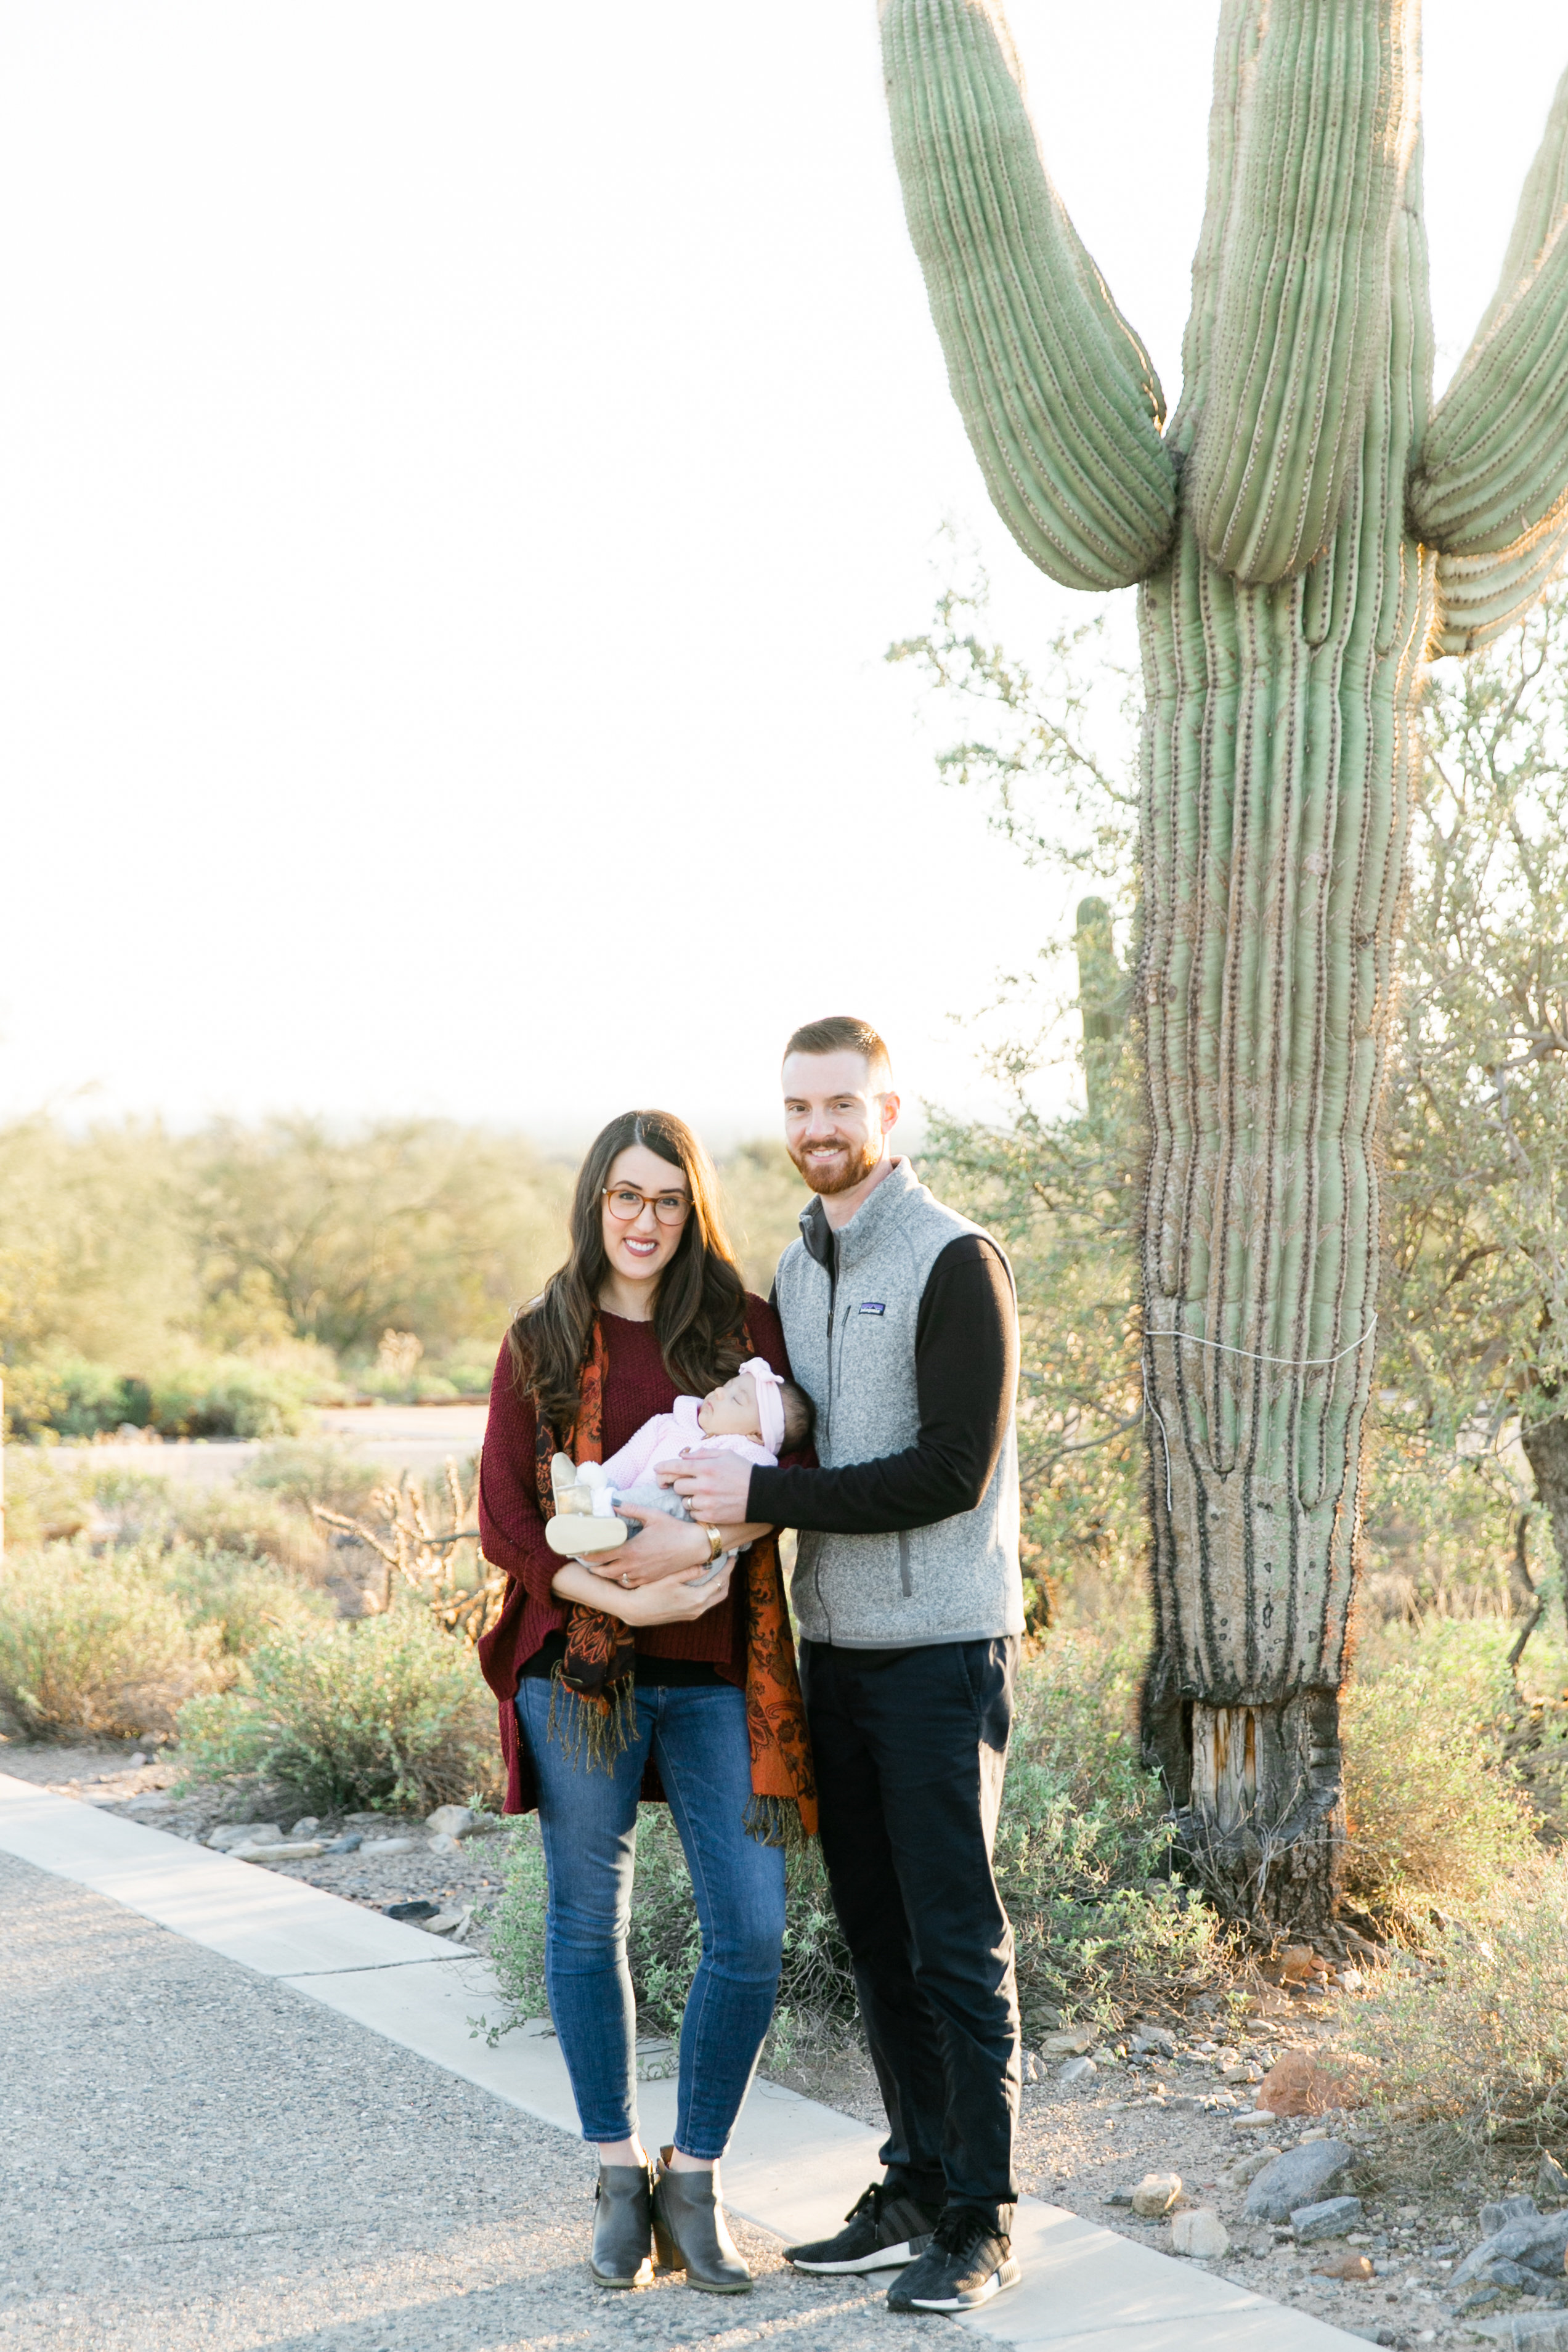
{"x":1473,"y":1315}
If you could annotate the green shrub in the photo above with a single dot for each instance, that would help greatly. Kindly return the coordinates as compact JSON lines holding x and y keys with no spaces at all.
{"x":196,"y":1396}
{"x":385,"y":1713}
{"x":469,"y":1370}
{"x":100,"y":1647}
{"x":75,"y":1398}
{"x":415,"y":1388}
{"x":1082,"y":1850}
{"x":49,"y":1499}
{"x":143,"y":1510}
{"x":242,"y":1599}
{"x":229,"y":1396}
{"x":1478,"y":2039}
{"x":228,"y":1518}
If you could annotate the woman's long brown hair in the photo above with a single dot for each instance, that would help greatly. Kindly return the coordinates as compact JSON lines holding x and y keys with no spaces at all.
{"x":699,"y":1311}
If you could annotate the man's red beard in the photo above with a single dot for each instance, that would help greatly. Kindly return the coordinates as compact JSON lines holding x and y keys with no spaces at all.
{"x":841,"y":1175}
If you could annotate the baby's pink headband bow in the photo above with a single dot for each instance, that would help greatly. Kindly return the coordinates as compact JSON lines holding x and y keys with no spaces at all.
{"x":769,"y":1386}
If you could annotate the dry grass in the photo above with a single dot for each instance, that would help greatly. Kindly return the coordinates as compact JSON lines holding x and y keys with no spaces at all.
{"x":110,"y":1645}
{"x":100,"y":1648}
{"x":1435,"y":1825}
{"x":1477,"y":2039}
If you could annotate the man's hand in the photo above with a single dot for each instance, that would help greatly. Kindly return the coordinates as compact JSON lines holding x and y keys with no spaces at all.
{"x":716,"y":1486}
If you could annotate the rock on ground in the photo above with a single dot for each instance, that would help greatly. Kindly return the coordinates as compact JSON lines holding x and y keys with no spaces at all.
{"x":1156,"y":2194}
{"x":1538,"y":2241}
{"x":1302,"y":2083}
{"x":1301,"y":2176}
{"x":1334,"y":2217}
{"x":1200,"y":2233}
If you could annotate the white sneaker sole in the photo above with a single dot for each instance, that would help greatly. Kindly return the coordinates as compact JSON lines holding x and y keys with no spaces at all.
{"x":885,"y":2258}
{"x":1008,"y":2275}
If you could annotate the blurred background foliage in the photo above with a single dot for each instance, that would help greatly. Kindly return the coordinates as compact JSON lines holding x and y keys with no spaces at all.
{"x":219,"y":1284}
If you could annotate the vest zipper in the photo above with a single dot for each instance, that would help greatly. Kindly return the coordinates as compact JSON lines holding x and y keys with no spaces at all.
{"x":832,"y":1300}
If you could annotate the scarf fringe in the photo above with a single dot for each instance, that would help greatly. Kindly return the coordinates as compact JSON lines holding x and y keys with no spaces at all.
{"x":593,"y":1731}
{"x":776,"y":1820}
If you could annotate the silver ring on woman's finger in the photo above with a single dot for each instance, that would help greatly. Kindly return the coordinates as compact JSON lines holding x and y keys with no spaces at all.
{"x":626,"y":1579}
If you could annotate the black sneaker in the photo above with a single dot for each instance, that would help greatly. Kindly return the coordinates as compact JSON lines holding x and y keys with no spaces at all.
{"x":965,"y":2264}
{"x":879,"y":2233}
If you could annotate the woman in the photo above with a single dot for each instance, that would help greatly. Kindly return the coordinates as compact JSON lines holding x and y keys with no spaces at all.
{"x":641,"y":1680}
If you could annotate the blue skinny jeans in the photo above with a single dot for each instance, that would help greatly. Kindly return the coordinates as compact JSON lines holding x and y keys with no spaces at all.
{"x":589,"y":1821}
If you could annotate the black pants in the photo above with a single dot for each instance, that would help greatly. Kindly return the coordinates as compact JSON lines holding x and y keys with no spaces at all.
{"x":910,"y":1747}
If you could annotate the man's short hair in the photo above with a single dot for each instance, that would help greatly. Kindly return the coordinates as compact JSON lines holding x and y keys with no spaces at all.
{"x":842,"y":1034}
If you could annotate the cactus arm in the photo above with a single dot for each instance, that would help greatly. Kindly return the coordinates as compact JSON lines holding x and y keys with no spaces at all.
{"x":1234,"y":51}
{"x":1060,"y":399}
{"x":1325,"y":127}
{"x":1481,"y":596}
{"x":1493,"y":477}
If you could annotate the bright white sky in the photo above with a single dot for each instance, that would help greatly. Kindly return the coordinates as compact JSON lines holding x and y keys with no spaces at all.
{"x":459,"y":469}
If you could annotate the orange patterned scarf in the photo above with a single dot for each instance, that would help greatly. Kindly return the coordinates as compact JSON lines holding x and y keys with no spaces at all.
{"x":596,"y":1680}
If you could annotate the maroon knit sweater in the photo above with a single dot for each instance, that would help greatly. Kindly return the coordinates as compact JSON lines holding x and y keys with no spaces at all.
{"x":511,"y":1527}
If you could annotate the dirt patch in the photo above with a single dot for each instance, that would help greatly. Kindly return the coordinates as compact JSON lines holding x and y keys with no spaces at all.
{"x":1079,"y":2143}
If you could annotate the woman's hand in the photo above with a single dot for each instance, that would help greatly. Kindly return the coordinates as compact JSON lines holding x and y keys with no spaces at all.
{"x":669,"y":1548}
{"x":672,"y":1600}
{"x":666,"y":1547}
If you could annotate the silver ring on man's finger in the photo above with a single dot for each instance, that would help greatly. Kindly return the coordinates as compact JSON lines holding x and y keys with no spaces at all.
{"x":626,"y":1579}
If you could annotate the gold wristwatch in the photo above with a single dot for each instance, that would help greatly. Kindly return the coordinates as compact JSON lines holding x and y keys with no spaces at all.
{"x":714,"y":1543}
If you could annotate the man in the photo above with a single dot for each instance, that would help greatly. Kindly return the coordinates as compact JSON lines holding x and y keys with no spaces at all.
{"x":901,"y":1326}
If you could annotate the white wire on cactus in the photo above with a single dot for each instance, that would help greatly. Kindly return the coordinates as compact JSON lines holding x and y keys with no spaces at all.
{"x":1254,"y":1356}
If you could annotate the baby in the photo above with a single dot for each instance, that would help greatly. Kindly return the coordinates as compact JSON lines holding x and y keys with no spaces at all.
{"x":755,"y":1415}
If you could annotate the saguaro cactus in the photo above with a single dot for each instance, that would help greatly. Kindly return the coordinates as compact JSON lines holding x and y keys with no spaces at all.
{"x":1306,"y":536}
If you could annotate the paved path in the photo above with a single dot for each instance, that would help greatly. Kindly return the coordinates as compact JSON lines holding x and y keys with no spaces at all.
{"x":204,"y":2147}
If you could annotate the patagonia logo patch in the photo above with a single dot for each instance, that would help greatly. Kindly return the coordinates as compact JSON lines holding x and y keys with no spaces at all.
{"x":873,"y":1306}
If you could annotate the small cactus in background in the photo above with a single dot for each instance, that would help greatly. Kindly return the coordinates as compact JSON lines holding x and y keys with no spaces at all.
{"x":1306,"y":536}
{"x":1103,"y":989}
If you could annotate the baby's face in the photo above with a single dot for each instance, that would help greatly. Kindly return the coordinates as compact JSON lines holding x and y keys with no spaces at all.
{"x":731,"y":1411}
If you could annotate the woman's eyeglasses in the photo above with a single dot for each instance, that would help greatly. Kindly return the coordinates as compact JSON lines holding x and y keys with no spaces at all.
{"x":626,"y":1205}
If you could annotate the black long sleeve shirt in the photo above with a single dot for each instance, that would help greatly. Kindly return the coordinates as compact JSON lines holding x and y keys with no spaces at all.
{"x":965,"y":1374}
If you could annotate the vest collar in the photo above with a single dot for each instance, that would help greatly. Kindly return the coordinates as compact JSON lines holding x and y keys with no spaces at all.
{"x":880,"y":1208}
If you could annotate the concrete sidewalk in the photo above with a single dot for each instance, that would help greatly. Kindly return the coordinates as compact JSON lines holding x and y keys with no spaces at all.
{"x":204,"y":2146}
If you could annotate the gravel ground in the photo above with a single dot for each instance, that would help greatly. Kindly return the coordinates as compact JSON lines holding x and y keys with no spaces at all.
{"x":196,"y":2157}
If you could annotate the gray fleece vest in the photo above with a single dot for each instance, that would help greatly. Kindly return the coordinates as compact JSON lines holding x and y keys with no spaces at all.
{"x":850,"y":1335}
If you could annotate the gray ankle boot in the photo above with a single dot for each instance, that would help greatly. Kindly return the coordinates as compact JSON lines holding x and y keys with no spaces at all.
{"x":623,"y":2226}
{"x":690,"y":2233}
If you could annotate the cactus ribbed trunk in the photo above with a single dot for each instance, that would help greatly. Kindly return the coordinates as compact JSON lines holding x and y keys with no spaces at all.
{"x":1308,"y":545}
{"x":1280,"y":754}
